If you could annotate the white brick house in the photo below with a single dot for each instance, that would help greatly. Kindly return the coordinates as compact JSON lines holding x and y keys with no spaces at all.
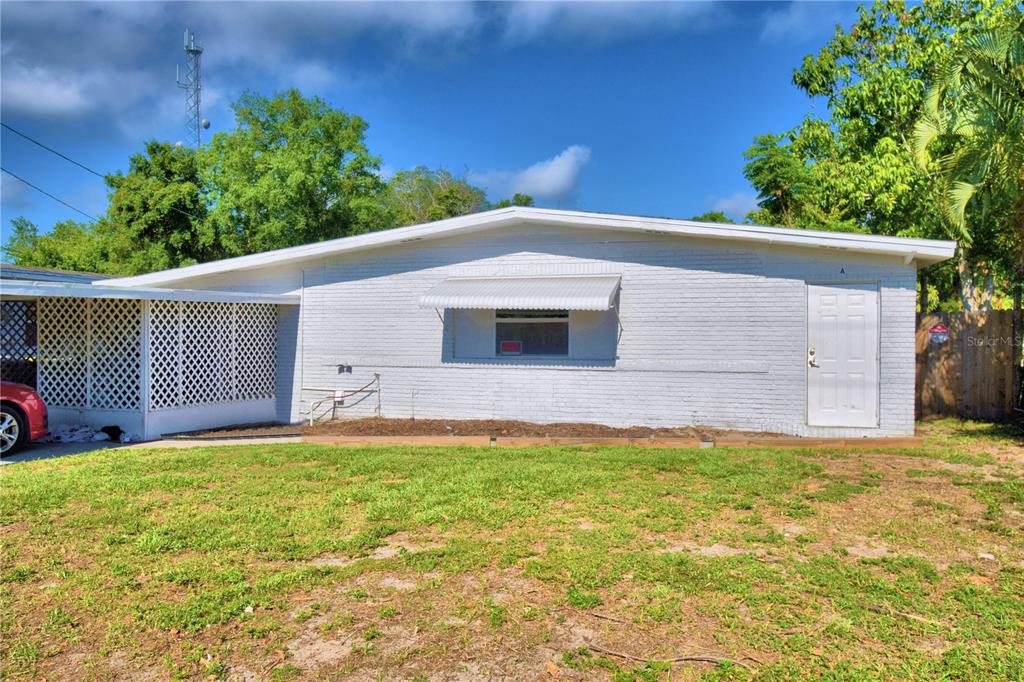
{"x":546,"y":315}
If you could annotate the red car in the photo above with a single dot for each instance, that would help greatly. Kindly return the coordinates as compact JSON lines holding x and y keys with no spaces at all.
{"x":22,"y":417}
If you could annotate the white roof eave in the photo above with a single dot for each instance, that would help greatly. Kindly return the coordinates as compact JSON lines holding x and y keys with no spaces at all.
{"x":26,"y":289}
{"x":921,"y":251}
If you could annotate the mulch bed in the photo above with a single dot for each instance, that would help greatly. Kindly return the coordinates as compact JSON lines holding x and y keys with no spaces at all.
{"x":380,"y":426}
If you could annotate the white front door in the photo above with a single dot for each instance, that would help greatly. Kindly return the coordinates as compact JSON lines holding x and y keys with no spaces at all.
{"x":842,"y":355}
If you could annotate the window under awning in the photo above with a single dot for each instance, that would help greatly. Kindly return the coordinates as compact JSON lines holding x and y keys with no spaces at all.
{"x":569,"y":292}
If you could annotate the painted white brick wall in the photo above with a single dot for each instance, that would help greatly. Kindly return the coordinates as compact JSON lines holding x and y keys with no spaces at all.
{"x":713,"y":332}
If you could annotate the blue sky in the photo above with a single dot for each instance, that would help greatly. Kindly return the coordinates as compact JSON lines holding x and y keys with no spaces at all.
{"x":625,"y":107}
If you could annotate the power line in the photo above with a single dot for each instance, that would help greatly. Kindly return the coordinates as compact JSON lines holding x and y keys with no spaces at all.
{"x":52,"y":150}
{"x":43,"y":191}
{"x":77,"y":163}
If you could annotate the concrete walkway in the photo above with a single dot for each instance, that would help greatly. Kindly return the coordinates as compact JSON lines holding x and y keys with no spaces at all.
{"x":34,"y":451}
{"x":37,"y":451}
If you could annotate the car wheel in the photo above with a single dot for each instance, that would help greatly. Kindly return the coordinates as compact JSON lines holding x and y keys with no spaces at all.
{"x":12,"y":430}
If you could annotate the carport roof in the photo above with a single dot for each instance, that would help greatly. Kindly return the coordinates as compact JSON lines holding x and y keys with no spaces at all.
{"x":21,"y":289}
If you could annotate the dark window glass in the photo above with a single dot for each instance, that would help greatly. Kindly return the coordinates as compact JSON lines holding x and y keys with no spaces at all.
{"x":531,"y":314}
{"x":532,"y":332}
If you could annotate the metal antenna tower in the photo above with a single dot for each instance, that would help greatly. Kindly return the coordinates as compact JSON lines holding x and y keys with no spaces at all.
{"x":192,"y":87}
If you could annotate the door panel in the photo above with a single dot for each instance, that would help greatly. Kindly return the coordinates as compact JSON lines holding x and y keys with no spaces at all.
{"x":842,"y":355}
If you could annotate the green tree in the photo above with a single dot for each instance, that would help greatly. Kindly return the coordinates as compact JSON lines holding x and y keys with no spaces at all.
{"x":421,"y":195}
{"x":293,"y":171}
{"x":156,"y":218}
{"x":70,"y":245}
{"x":783,"y":182}
{"x":516,"y":200}
{"x":855,"y":169}
{"x":712,"y":217}
{"x":974,"y":119}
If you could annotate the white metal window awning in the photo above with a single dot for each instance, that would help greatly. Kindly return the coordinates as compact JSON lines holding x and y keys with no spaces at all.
{"x":569,"y":292}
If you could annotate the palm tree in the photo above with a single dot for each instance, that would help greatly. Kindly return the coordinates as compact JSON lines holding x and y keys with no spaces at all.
{"x":974,"y":117}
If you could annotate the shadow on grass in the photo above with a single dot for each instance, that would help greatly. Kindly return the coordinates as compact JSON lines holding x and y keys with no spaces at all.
{"x":1006,"y":430}
{"x":1011,"y":430}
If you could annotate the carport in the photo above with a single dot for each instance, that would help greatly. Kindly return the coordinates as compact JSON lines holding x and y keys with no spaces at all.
{"x":151,"y":361}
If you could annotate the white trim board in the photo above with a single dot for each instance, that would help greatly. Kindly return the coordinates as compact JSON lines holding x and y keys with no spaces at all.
{"x":26,"y":289}
{"x":920,"y":251}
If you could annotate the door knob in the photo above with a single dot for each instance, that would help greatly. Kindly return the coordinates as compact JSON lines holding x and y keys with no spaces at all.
{"x":811,"y":362}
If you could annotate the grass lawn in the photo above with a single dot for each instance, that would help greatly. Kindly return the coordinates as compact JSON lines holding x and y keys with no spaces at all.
{"x":288,"y":562}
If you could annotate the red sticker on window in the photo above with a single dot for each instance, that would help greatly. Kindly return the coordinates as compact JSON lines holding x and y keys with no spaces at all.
{"x":511,"y":347}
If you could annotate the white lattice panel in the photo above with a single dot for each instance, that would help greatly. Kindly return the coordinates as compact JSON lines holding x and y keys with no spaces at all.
{"x":206,"y":356}
{"x":90,"y":352}
{"x":256,"y":349}
{"x":115,"y":354}
{"x":63,"y":347}
{"x":164,"y":354}
{"x":205,"y":353}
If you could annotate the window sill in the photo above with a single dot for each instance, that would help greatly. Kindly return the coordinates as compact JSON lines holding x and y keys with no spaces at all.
{"x":533,"y":361}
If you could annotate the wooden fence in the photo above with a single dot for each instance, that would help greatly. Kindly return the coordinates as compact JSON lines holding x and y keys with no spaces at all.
{"x":969,"y":372}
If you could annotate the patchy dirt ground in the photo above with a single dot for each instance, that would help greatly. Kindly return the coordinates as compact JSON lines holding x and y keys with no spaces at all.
{"x":378,"y":426}
{"x":381,"y":426}
{"x":297,"y":562}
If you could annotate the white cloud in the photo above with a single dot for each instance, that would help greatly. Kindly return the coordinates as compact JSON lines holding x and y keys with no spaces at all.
{"x":737,"y":205}
{"x":118,"y":74}
{"x":311,"y":76}
{"x":800,"y":20}
{"x":266,"y":33}
{"x":37,"y":90}
{"x":126,"y":82}
{"x":601,"y":22}
{"x":122,"y":97}
{"x":552,"y":179}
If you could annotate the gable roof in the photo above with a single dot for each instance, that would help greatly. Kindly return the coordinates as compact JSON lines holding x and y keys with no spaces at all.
{"x":921,"y":251}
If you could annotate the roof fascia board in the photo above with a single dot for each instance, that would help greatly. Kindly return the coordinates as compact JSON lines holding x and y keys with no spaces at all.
{"x":861,"y":243}
{"x":362,"y":242}
{"x":922,"y":251}
{"x":11,"y":288}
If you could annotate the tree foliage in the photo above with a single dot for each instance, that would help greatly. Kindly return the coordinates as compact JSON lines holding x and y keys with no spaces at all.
{"x":974,"y":120}
{"x":70,"y":245}
{"x":156,"y":218}
{"x":421,"y":195}
{"x":711,"y":217}
{"x":293,"y":171}
{"x":974,"y":116}
{"x":518,"y":199}
{"x":855,"y":167}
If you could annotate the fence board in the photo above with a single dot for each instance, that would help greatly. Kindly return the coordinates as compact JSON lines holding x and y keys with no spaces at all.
{"x":971,"y":374}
